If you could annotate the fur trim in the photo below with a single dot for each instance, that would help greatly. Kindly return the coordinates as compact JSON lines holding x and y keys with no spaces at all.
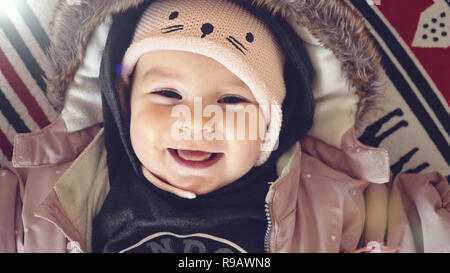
{"x":342,"y":30}
{"x":71,"y":28}
{"x":334,"y":23}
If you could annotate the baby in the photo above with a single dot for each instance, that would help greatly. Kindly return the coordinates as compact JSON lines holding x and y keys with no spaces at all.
{"x":203,"y":139}
{"x":202,"y":95}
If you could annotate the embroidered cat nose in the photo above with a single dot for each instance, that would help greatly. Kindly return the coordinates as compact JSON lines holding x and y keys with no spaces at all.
{"x":207,"y":29}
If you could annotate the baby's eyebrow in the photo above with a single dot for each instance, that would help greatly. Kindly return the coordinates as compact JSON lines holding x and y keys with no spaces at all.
{"x":239,"y":84}
{"x":162,"y":72}
{"x":241,"y":87}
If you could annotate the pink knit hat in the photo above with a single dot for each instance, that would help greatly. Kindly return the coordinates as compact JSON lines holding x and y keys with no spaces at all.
{"x":227,"y":33}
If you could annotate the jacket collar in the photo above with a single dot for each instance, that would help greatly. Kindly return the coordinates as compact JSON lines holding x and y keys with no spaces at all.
{"x":79,"y":194}
{"x":352,"y":158}
{"x":50,"y":146}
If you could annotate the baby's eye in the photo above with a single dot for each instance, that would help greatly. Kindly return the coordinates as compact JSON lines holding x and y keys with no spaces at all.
{"x":232,"y":100}
{"x":168,"y":94}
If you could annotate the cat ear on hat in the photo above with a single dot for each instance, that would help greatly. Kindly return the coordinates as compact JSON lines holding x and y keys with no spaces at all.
{"x":298,"y":69}
{"x":298,"y":105}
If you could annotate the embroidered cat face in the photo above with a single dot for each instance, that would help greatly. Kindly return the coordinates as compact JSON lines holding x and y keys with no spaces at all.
{"x":208,"y":29}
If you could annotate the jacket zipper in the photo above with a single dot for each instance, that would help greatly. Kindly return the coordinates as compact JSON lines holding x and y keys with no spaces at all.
{"x":268,"y":229}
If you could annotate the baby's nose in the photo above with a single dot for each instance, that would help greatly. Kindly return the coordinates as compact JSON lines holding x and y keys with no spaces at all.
{"x":204,"y":126}
{"x":196,"y":127}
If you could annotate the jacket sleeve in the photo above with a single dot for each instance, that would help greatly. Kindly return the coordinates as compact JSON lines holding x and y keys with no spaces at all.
{"x":10,"y":210}
{"x":419,"y":213}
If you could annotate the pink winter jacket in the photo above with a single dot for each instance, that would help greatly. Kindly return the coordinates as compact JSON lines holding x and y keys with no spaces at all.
{"x":333,"y":194}
{"x":325,"y":199}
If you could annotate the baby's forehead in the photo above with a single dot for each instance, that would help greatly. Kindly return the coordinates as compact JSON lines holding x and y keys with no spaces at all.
{"x":184,"y":67}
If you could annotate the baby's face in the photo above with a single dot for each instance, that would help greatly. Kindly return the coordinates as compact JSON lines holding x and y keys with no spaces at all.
{"x":167,"y":83}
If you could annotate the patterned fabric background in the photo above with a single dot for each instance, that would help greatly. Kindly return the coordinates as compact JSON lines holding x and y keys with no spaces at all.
{"x":23,"y":68}
{"x":413,"y":126}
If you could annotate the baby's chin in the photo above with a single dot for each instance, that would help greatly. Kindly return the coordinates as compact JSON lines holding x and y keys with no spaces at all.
{"x":195,"y":182}
{"x":198,"y":180}
{"x":198,"y":184}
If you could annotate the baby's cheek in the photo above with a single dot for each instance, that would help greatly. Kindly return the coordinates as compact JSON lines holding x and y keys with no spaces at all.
{"x":137,"y":140}
{"x":143,"y":140}
{"x":241,"y":157}
{"x":142,"y":134}
{"x":246,"y":125}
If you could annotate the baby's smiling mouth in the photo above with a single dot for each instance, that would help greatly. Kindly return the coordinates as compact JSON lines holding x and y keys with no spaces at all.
{"x":194,"y":158}
{"x":194,"y":155}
